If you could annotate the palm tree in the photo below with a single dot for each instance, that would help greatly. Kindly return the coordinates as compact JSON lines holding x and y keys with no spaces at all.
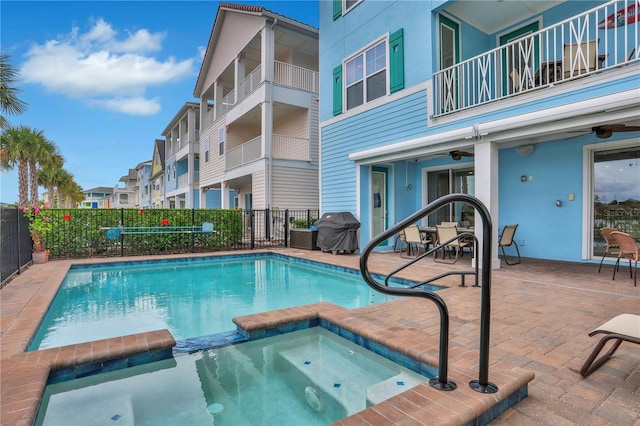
{"x":50,"y":177}
{"x":44,"y":153}
{"x":9,"y":102}
{"x":15,"y":151}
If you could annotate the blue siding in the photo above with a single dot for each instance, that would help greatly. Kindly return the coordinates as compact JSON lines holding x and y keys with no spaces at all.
{"x":212,"y":199}
{"x":393,"y":122}
{"x":367,"y":22}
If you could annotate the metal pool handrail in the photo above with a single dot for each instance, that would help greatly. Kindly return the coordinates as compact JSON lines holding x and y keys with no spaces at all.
{"x":441,"y":382}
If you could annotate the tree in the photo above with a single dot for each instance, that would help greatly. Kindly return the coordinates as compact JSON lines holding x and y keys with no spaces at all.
{"x":9,"y":101}
{"x":44,"y":153}
{"x":13,"y":151}
{"x":28,"y":149}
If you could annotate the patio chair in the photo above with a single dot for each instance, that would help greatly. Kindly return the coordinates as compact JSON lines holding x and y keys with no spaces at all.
{"x":415,"y":239}
{"x":507,"y":239}
{"x":399,"y":244}
{"x":579,"y":58}
{"x":622,"y":328}
{"x":629,"y":251}
{"x":612,"y":246}
{"x":446,"y":233}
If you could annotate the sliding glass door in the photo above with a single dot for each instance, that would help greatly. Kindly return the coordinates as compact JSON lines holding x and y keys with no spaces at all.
{"x":616,"y":193}
{"x":449,"y":181}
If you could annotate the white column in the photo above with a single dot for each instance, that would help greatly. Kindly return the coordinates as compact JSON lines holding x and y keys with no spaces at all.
{"x":486,"y":190}
{"x":267,"y":55}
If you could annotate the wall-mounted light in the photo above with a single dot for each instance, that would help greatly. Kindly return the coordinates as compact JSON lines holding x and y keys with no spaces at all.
{"x":523,"y":178}
{"x":525,"y":150}
{"x":558,"y":203}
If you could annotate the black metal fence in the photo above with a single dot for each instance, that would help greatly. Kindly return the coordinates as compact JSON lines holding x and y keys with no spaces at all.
{"x":81,"y":233}
{"x":15,"y":242}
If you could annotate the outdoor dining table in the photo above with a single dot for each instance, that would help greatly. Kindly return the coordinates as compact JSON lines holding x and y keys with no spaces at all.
{"x":432,"y":233}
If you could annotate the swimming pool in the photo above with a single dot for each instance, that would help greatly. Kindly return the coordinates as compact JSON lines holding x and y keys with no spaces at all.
{"x":309,"y":377}
{"x":189,"y":297}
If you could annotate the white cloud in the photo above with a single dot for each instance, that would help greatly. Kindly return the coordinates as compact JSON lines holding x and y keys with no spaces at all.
{"x":131,"y":106}
{"x":105,"y":70}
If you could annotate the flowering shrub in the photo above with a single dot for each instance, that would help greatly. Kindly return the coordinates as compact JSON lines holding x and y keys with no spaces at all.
{"x":39,"y":226}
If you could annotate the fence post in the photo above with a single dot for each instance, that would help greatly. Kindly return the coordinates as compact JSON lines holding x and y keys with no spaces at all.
{"x":252,"y":220}
{"x":193,"y":245}
{"x":121,"y":235}
{"x":267,"y":227}
{"x":286,"y":228}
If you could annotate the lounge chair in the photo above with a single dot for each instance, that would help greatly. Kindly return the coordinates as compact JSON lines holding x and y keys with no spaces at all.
{"x":612,"y":246}
{"x":506,"y":240}
{"x":623,"y":328}
{"x":628,"y":250}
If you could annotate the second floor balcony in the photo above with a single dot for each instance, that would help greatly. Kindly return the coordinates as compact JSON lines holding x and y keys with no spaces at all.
{"x":284,"y":148}
{"x":285,"y":74}
{"x":603,"y":38}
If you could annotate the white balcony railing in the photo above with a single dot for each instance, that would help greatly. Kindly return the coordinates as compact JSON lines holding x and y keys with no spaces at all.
{"x":290,"y":148}
{"x":284,"y":74}
{"x":591,"y":42}
{"x":243,"y":154}
{"x":183,"y":179}
{"x":250,"y":84}
{"x":295,"y":76}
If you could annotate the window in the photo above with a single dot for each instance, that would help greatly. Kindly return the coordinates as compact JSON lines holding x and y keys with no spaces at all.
{"x":206,"y":150}
{"x":340,"y":7}
{"x":367,"y":74}
{"x":221,"y":141}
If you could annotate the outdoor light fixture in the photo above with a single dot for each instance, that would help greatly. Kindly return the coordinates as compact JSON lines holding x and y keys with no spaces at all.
{"x":525,"y":150}
{"x":559,"y":203}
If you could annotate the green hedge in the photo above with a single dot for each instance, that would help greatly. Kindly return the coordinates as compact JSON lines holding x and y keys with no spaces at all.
{"x":83,"y":233}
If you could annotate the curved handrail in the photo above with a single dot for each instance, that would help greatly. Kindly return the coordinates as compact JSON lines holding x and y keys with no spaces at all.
{"x":441,"y":382}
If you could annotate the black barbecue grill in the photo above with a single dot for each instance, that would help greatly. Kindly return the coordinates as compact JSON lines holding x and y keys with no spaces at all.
{"x":337,"y":232}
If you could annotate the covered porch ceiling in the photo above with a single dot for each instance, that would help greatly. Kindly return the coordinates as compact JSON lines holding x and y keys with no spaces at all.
{"x":492,"y":16}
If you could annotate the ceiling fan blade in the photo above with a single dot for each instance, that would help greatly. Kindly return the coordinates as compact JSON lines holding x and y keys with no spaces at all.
{"x":620,"y":128}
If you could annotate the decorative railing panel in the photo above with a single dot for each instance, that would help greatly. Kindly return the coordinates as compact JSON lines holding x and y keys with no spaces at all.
{"x":602,"y":38}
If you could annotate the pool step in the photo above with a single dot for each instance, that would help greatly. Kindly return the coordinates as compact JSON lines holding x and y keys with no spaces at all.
{"x":391,"y":387}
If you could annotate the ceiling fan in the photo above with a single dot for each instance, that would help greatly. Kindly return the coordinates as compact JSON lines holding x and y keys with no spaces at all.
{"x":457,"y":155}
{"x":607,"y":130}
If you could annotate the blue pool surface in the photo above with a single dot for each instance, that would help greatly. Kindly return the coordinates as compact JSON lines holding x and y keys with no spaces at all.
{"x":189,"y":297}
{"x":308,"y":377}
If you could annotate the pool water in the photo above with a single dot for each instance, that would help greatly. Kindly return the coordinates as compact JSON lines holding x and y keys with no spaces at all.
{"x":308,"y":377}
{"x":189,"y":297}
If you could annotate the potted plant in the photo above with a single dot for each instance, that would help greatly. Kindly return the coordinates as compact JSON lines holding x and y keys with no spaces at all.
{"x":39,"y":227}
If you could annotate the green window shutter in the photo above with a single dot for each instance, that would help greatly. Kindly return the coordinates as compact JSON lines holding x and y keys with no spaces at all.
{"x":337,"y":90}
{"x":337,"y":9}
{"x":396,"y":61}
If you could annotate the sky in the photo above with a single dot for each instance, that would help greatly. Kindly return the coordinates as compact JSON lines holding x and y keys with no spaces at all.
{"x":102,"y":79}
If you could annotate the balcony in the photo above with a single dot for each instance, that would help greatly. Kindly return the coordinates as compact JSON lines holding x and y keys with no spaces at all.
{"x":183,"y":180}
{"x":589,"y":43}
{"x":284,"y":148}
{"x":284,"y":74}
{"x":296,"y":77}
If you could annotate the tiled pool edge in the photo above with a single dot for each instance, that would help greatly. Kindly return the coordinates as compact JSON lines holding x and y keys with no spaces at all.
{"x":25,"y":375}
{"x":21,"y":405}
{"x":446,"y":407}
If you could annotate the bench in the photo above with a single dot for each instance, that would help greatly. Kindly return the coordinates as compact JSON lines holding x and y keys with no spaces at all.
{"x":115,"y":233}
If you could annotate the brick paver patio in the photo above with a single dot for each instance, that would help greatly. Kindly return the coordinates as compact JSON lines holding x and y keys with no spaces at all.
{"x":541,"y":314}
